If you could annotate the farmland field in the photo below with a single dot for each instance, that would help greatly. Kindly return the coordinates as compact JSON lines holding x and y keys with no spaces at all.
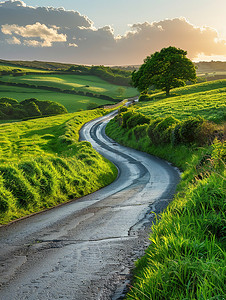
{"x":72,"y":103}
{"x":85,"y":83}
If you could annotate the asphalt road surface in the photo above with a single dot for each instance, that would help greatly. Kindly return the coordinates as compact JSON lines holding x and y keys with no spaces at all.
{"x":85,"y":249}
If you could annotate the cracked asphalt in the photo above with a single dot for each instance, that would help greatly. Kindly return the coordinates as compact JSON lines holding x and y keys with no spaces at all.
{"x":86,"y":249}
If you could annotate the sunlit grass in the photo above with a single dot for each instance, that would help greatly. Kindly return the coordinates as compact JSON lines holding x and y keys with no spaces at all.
{"x":186,"y":257}
{"x":85,"y":83}
{"x":211,"y":105}
{"x":6,"y":67}
{"x":42,"y":164}
{"x":72,"y":103}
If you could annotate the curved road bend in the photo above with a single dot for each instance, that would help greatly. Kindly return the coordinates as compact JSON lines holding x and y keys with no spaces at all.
{"x":85,"y":249}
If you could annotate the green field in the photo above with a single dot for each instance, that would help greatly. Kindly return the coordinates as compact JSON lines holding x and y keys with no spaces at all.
{"x":72,"y":103}
{"x":42,"y":164}
{"x":186,"y":256}
{"x":211,"y":105}
{"x":5,"y":67}
{"x":193,"y":88}
{"x":85,"y":83}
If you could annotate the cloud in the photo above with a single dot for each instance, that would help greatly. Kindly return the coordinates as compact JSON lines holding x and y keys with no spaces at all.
{"x":13,"y":41}
{"x":61,"y":35}
{"x":37,"y":30}
{"x":72,"y":45}
{"x":146,"y":38}
{"x":12,"y":4}
{"x":16,"y":12}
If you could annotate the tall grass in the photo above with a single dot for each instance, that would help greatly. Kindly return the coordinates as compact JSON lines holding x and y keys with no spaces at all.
{"x":210,"y":105}
{"x":42,"y":164}
{"x":186,"y":256}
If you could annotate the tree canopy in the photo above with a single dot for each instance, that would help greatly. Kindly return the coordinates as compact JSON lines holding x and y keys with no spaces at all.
{"x":167,"y":69}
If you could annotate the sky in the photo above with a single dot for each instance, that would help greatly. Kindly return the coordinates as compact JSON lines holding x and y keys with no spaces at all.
{"x":113,"y":32}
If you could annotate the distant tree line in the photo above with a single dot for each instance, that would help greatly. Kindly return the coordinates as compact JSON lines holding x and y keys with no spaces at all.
{"x":112,"y":75}
{"x":11,"y":109}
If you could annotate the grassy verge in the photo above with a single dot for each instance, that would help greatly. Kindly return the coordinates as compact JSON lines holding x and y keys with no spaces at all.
{"x":42,"y":164}
{"x":186,"y":257}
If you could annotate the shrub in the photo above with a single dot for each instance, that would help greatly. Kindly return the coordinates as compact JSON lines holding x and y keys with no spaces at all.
{"x":144,"y":97}
{"x":125,"y":116}
{"x":8,"y":100}
{"x":152,"y":133}
{"x":137,"y":119}
{"x":189,"y":130}
{"x":123,"y":109}
{"x":140,"y":131}
{"x":164,"y":128}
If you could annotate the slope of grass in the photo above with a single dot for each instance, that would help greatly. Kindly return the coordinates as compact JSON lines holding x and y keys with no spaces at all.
{"x":85,"y":83}
{"x":6,"y":67}
{"x":191,"y":89}
{"x":72,"y":103}
{"x":211,"y":105}
{"x":42,"y":164}
{"x":186,"y":257}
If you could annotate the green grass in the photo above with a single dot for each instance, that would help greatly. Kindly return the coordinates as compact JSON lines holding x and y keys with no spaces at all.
{"x":193,"y":88}
{"x":5,"y":67}
{"x":85,"y":83}
{"x":42,"y":164}
{"x":209,"y":104}
{"x":72,"y":103}
{"x":186,"y":257}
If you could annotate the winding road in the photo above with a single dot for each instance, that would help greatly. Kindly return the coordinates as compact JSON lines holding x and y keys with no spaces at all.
{"x":85,"y":249}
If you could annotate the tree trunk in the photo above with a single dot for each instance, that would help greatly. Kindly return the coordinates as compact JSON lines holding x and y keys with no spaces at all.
{"x":167,"y":91}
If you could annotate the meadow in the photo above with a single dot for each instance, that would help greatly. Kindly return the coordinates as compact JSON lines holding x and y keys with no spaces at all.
{"x":186,"y":256}
{"x":42,"y":164}
{"x":209,"y":104}
{"x":72,"y":103}
{"x":85,"y":83}
{"x":9,"y":68}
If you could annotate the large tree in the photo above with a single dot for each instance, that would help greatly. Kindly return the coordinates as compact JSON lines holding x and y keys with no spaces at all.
{"x":167,"y":69}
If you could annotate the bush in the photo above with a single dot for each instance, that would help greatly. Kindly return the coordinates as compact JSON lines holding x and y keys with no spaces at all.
{"x":152,"y":133}
{"x":123,"y":109}
{"x":144,"y":97}
{"x":164,"y":129}
{"x":137,"y":119}
{"x":125,"y":116}
{"x":189,"y":130}
{"x":140,"y":131}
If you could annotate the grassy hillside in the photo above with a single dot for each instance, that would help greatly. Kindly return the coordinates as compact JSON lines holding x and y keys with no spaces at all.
{"x":51,"y":66}
{"x":72,"y":103}
{"x":193,"y":88}
{"x":42,"y":164}
{"x":85,"y":83}
{"x":10,"y":68}
{"x":210,"y":105}
{"x":186,"y":257}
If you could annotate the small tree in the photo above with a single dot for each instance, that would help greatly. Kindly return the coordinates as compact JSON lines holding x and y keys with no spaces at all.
{"x":167,"y":69}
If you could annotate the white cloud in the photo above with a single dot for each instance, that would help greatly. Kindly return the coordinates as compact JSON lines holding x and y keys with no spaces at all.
{"x":62,"y":35}
{"x":37,"y":30}
{"x":73,"y":45}
{"x":13,"y":41}
{"x":33,"y":43}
